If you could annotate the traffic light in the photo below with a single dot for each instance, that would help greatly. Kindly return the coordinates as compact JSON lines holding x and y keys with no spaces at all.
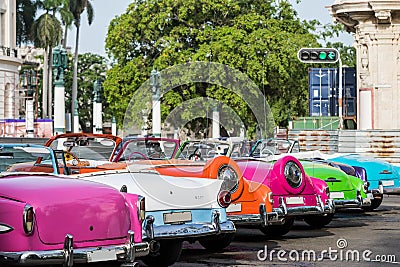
{"x":318,"y":55}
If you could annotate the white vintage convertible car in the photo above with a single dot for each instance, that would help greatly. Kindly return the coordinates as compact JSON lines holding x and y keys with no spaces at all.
{"x":177,"y":209}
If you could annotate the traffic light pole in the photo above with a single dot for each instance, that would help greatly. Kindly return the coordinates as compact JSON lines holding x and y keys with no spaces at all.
{"x":340,"y":100}
{"x":325,"y":55}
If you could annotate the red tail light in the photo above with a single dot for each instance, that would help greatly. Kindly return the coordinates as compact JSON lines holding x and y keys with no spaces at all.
{"x":28,"y":219}
{"x":141,"y":205}
{"x":224,"y":199}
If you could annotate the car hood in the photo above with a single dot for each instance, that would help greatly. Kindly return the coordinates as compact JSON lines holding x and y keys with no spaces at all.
{"x":163,"y":192}
{"x":88,"y":211}
{"x":336,"y":179}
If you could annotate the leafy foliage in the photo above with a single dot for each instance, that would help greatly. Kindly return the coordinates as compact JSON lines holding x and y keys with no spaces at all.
{"x":90,"y":68}
{"x":260,"y":38}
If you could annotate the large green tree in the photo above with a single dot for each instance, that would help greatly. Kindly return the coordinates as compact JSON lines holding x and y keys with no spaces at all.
{"x":258,"y":37}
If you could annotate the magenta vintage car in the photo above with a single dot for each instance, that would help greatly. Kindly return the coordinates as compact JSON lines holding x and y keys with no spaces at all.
{"x":295,"y":194}
{"x":49,"y":219}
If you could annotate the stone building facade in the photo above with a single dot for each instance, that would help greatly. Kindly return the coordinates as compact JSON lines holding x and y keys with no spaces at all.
{"x":376,"y":28}
{"x":10,"y":97}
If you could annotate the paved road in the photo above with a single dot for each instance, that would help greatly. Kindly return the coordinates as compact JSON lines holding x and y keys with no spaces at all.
{"x":376,"y":234}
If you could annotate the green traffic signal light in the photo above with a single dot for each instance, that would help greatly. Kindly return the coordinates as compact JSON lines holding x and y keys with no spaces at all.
{"x":322,"y":55}
{"x":318,"y":55}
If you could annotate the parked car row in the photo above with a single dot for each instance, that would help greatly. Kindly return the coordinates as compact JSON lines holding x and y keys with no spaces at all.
{"x":93,"y":197}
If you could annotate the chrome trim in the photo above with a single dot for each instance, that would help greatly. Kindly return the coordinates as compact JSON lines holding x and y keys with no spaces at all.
{"x":130,"y":254}
{"x":24,"y":219}
{"x":148,"y":227}
{"x":255,"y":219}
{"x":215,"y":221}
{"x":192,"y":230}
{"x":61,"y":256}
{"x":282,"y":205}
{"x":5,"y":228}
{"x":391,"y":191}
{"x":380,"y":187}
{"x":263,"y":214}
{"x":320,"y":208}
{"x":68,"y":251}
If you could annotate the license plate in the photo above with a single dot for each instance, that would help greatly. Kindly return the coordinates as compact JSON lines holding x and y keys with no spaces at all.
{"x":294,"y":200}
{"x":234,"y":207}
{"x":177,"y":217}
{"x":388,"y":183}
{"x":337,"y":195}
{"x":101,"y":255}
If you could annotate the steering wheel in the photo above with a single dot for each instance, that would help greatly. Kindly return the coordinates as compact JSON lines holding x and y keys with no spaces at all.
{"x":195,"y":157}
{"x":266,"y":152}
{"x":71,"y":158}
{"x":141,"y":155}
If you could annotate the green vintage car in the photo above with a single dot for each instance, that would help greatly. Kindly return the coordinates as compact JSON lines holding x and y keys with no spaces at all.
{"x":347,"y":191}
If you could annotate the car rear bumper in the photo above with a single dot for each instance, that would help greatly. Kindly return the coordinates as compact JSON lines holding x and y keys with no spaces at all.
{"x":353,"y":203}
{"x":319,"y":209}
{"x":194,"y":230}
{"x":262,"y":218}
{"x":69,"y":255}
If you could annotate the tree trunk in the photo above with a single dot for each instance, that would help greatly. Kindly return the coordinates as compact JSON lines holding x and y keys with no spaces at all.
{"x":75,"y":74}
{"x":64,"y":44}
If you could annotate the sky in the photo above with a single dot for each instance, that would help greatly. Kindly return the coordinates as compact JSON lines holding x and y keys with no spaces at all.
{"x":92,"y":38}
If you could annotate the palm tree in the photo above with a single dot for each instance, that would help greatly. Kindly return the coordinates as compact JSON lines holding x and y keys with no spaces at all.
{"x":26,"y":13}
{"x":46,"y":33}
{"x":77,"y":7}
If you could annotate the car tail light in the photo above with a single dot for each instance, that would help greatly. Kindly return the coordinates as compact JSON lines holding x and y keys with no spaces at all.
{"x":231,"y":179}
{"x":28,"y":219}
{"x":293,"y":174}
{"x":271,"y":198}
{"x":141,"y":205}
{"x":224,"y":199}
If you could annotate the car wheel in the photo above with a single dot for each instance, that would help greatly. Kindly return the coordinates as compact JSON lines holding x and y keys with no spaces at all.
{"x":375,"y":203}
{"x":274,"y":231}
{"x":168,"y":254}
{"x":317,"y":221}
{"x":217,"y":243}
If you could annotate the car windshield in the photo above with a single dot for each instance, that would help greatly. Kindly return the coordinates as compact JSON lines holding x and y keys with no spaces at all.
{"x":203,"y":150}
{"x":271,"y":147}
{"x":11,"y":155}
{"x":89,"y":148}
{"x":153,"y":149}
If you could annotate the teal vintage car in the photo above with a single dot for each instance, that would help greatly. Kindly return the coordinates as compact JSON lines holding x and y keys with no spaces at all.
{"x":348,"y":191}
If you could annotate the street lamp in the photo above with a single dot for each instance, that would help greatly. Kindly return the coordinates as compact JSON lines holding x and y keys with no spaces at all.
{"x":59,"y":64}
{"x":28,"y":83}
{"x":97,"y":108}
{"x":155,"y":83}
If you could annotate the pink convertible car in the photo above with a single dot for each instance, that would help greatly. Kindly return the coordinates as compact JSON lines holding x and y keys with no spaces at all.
{"x":62,"y":220}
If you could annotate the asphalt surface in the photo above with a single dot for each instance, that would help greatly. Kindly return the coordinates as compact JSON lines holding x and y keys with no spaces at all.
{"x":353,"y":238}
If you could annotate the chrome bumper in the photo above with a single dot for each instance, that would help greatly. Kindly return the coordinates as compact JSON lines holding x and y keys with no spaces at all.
{"x":193,"y":230}
{"x":352,"y":203}
{"x":391,"y":191}
{"x":320,"y":208}
{"x":262,"y":218}
{"x":69,"y":256}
